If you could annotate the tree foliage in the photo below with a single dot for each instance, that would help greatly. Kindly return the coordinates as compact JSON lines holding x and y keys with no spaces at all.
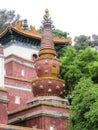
{"x":69,"y":70}
{"x":7,"y":17}
{"x":59,"y":33}
{"x":79,"y":69}
{"x":94,"y":40}
{"x":75,"y":65}
{"x":82,"y":42}
{"x":84,"y":108}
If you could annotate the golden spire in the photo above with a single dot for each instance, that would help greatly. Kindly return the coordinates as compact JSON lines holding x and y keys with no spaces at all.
{"x":46,"y":16}
{"x":47,"y":45}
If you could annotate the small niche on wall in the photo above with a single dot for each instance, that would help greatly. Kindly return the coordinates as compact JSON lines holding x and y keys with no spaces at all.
{"x":54,"y":69}
{"x":22,"y":72}
{"x":51,"y":127}
{"x":17,"y":99}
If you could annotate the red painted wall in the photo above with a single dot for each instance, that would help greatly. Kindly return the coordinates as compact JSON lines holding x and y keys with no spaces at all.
{"x":17,"y":82}
{"x":37,"y":108}
{"x":24,"y":97}
{"x":44,"y":122}
{"x":3,"y":106}
{"x":3,"y":113}
{"x":14,"y":69}
{"x":14,"y":78}
{"x":9,"y":68}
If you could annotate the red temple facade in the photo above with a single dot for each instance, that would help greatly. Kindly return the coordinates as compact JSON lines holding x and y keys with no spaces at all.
{"x":29,"y":87}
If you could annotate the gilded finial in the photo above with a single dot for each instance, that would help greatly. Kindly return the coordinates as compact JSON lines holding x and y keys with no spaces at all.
{"x":46,"y":16}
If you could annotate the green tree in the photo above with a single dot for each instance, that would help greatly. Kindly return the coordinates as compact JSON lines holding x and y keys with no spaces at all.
{"x":59,"y":33}
{"x":94,"y":40}
{"x":82,"y":42}
{"x":84,"y":108}
{"x":69,"y":71}
{"x":88,"y":63}
{"x":75,"y":65}
{"x":7,"y":17}
{"x":61,"y":51}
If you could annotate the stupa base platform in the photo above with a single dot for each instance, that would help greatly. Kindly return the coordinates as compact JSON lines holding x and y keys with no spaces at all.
{"x":49,"y":99}
{"x":43,"y":113}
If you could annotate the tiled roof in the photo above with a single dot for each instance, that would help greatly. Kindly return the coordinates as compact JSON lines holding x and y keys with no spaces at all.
{"x":31,"y":33}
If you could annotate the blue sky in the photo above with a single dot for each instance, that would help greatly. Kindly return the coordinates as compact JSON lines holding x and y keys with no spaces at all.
{"x":74,"y":16}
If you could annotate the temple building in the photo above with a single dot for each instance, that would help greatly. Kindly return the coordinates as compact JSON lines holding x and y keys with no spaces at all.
{"x":29,"y":87}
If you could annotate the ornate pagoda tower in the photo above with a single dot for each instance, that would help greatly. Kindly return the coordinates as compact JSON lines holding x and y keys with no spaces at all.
{"x":47,"y":87}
